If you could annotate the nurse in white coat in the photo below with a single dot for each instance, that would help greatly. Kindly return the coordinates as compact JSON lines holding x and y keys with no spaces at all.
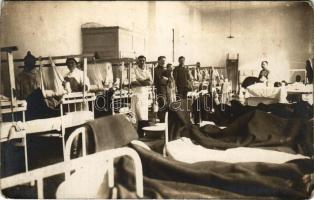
{"x":142,"y":79}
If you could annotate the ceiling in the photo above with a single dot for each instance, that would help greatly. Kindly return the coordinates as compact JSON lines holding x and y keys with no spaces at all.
{"x":209,"y":6}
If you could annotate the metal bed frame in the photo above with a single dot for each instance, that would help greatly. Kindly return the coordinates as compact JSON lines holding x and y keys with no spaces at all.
{"x":20,"y":106}
{"x":105,"y":157}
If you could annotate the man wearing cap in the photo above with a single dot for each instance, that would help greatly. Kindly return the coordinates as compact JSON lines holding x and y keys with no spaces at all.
{"x":28,"y":80}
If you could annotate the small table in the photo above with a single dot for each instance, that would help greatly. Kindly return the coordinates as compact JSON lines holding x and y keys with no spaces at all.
{"x":154,"y":129}
{"x":305,"y":93}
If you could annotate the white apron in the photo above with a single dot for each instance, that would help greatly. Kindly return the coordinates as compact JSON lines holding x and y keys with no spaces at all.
{"x":140,"y":103}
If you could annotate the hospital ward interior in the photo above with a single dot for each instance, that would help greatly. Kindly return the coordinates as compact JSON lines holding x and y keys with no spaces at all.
{"x":157,"y":99}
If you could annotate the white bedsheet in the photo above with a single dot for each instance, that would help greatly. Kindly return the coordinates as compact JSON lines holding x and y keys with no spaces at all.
{"x":261,"y":90}
{"x":185,"y":151}
{"x":87,"y":183}
{"x":10,"y":129}
{"x":44,"y":125}
{"x":299,"y":87}
{"x":305,"y":90}
{"x":69,"y":120}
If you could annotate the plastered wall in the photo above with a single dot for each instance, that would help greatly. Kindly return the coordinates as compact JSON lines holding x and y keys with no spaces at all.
{"x":281,"y":34}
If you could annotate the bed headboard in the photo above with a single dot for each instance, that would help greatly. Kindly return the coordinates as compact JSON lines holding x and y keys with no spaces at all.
{"x":294,"y":72}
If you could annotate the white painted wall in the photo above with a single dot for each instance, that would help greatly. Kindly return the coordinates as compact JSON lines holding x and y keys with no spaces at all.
{"x":54,"y":28}
{"x":280,"y":34}
{"x":187,"y":31}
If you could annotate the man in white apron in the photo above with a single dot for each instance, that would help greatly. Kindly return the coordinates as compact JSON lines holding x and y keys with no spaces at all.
{"x":141,"y":80}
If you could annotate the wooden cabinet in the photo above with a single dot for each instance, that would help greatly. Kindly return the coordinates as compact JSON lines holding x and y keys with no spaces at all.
{"x":111,"y":42}
{"x":232,"y":66}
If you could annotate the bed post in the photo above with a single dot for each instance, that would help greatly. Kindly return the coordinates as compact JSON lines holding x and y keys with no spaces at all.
{"x":121,"y":81}
{"x":84,"y":77}
{"x":12,"y":79}
{"x":166,"y":134}
{"x":9,"y":51}
{"x":129,"y":86}
{"x":129,"y":78}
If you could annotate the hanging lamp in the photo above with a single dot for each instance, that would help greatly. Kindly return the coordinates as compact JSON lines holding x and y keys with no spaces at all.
{"x":230,"y":35}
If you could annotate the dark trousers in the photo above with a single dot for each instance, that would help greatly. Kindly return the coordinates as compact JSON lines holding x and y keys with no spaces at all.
{"x":182,"y":92}
{"x":140,"y":125}
{"x":162,"y":103}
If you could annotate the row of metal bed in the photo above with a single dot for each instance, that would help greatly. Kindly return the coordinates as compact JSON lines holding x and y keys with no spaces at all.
{"x":94,"y":167}
{"x":72,"y":115}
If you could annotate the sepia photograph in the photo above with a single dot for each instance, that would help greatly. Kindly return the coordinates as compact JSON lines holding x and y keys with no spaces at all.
{"x":156,"y":99}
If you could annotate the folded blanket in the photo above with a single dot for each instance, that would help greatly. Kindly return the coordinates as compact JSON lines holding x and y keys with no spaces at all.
{"x":111,"y":132}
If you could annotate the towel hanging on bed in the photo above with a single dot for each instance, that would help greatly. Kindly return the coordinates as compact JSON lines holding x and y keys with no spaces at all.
{"x":111,"y":132}
{"x":52,"y":81}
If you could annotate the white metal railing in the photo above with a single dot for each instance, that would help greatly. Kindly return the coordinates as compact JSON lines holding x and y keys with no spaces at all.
{"x":166,"y":134}
{"x":100,"y":158}
{"x":105,"y":158}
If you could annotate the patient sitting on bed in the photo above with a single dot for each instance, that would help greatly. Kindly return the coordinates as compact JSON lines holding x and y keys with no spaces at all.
{"x":264,"y":73}
{"x":297,"y":83}
{"x":75,"y":77}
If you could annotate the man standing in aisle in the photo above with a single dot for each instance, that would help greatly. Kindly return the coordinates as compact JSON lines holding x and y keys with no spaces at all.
{"x":199,"y":76}
{"x":141,"y":81}
{"x":182,"y":78}
{"x":160,"y":83}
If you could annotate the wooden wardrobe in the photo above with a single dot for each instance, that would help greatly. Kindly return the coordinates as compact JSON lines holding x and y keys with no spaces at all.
{"x":112,"y":42}
{"x":232,"y":67}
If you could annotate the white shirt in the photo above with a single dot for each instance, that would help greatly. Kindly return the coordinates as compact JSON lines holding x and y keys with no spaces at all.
{"x":141,"y":74}
{"x":79,"y":76}
{"x":140,"y":94}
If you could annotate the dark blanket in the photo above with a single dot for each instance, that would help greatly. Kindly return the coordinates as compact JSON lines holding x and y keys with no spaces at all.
{"x":166,"y":178}
{"x":179,"y":119}
{"x":38,"y":107}
{"x":225,"y":114}
{"x":111,"y":132}
{"x":301,"y":109}
{"x":253,"y":129}
{"x":74,"y":84}
{"x":251,"y":80}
